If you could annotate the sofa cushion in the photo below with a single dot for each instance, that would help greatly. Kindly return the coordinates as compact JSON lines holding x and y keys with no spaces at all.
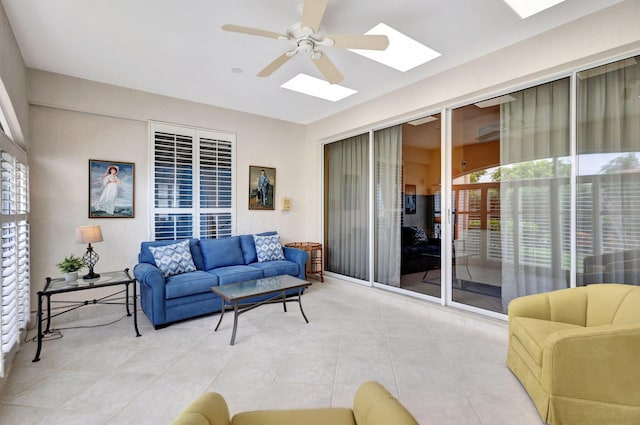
{"x":277,"y":268}
{"x":233,"y":274}
{"x":249,"y":247}
{"x":532,"y":333}
{"x":221,"y":252}
{"x":186,"y":284}
{"x":268,"y":248}
{"x":173,"y":259}
{"x":145,"y":255}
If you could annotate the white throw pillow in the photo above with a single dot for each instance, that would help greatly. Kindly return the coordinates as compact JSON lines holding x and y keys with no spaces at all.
{"x":173,"y":259}
{"x":268,"y":248}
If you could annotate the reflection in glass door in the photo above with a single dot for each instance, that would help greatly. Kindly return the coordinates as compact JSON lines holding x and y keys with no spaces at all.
{"x":608,"y":206}
{"x":511,"y":196}
{"x":418,"y":223}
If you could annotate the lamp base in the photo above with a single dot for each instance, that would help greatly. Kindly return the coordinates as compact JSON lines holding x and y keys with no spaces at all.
{"x":91,"y":275}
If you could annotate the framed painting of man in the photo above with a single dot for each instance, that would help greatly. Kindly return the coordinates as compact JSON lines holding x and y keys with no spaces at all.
{"x":262,"y":187}
{"x":111,"y":189}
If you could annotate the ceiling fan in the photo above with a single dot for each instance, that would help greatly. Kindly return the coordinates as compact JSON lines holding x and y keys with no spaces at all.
{"x":307,"y":36}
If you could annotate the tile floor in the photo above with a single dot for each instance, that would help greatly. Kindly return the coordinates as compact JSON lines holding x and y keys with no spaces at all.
{"x":447,"y":367}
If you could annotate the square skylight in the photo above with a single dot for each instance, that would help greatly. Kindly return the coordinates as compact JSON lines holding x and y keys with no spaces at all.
{"x":311,"y":86}
{"x":403,"y":53}
{"x":526,"y":8}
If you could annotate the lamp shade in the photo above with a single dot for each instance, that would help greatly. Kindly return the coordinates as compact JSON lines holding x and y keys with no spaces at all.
{"x":89,"y":234}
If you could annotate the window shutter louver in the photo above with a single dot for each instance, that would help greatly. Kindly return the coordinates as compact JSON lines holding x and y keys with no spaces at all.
{"x":14,"y":252}
{"x":193,"y":183}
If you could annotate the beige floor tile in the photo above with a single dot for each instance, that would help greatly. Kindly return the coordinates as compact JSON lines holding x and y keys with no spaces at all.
{"x":446,"y":366}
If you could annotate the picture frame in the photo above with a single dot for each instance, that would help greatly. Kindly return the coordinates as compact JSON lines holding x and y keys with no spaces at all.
{"x":111,"y":193}
{"x":262,"y":188}
{"x":410,"y":199}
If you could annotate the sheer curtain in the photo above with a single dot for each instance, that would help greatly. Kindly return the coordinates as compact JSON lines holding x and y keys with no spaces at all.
{"x":608,"y":213}
{"x":534,"y":220}
{"x":388,"y":208}
{"x":347,"y":186}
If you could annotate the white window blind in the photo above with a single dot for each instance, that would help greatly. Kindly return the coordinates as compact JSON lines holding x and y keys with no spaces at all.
{"x":14,"y":252}
{"x":193,"y":182}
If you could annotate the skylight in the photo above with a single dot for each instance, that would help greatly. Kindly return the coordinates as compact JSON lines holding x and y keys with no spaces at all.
{"x":526,"y":8}
{"x":403,"y":53}
{"x":316,"y":87}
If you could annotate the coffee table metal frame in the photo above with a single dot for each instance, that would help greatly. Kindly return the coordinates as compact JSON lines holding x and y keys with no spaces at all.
{"x":233,"y":294}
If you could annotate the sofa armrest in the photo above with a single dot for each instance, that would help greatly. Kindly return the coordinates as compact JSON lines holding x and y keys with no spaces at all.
{"x":299,"y":257}
{"x":150,"y":275}
{"x":594,"y":363}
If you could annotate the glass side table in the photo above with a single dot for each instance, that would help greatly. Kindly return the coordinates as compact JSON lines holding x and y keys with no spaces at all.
{"x":61,"y":286}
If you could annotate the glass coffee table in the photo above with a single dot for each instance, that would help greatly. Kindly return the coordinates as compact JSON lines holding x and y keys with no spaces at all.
{"x":236,"y":295}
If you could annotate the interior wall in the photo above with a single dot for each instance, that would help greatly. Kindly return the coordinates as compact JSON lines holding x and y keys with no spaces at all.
{"x":74,"y":120}
{"x":13,"y":86}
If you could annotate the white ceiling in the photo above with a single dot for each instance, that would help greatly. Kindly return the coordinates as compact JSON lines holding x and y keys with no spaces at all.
{"x":177,"y":48}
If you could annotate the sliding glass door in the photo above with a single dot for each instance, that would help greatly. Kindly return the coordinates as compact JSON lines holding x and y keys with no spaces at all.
{"x":542,"y":190}
{"x":347,"y":207}
{"x":511,"y":196}
{"x":608,"y":195}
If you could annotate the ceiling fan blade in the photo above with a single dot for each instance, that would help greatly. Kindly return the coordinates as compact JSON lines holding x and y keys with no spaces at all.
{"x":366,"y":42}
{"x":312,"y":13}
{"x":252,"y":31}
{"x":327,"y":68}
{"x":280,"y":60}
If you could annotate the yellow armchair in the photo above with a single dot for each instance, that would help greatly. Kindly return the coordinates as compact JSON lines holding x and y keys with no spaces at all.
{"x":577,"y":353}
{"x":372,"y":405}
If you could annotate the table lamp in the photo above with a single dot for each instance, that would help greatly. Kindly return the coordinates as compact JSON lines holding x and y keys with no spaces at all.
{"x":89,"y":235}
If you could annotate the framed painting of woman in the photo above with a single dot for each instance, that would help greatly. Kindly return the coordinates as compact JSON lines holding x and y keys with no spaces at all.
{"x":111,"y":189}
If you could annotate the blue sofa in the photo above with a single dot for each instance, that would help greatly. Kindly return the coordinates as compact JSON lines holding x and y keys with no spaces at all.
{"x":218,"y":262}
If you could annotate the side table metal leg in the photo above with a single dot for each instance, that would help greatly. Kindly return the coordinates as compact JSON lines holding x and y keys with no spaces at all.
{"x":235,"y":322}
{"x":39,"y":319}
{"x":127,"y":297}
{"x":133,"y":305}
{"x":300,"y":303}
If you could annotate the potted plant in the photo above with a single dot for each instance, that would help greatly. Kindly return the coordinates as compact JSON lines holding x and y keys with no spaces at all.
{"x":70,"y":266}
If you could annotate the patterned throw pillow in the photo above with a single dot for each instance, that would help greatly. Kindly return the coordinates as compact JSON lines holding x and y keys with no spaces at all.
{"x":268,"y":248}
{"x":173,"y":259}
{"x":419,"y":237}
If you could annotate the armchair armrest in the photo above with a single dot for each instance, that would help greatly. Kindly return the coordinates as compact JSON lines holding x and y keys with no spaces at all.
{"x":534,"y":306}
{"x":594,"y":363}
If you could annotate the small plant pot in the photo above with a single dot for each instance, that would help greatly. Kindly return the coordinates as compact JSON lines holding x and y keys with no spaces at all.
{"x":71,"y":276}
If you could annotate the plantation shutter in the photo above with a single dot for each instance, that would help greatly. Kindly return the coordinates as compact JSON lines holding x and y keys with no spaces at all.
{"x":14,"y":253}
{"x":193,"y":182}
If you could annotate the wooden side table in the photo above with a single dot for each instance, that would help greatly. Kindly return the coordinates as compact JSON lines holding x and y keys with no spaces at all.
{"x":314,"y":263}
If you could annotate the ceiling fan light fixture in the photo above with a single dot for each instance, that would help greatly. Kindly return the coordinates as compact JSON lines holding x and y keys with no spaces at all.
{"x":311,"y":86}
{"x":403,"y":53}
